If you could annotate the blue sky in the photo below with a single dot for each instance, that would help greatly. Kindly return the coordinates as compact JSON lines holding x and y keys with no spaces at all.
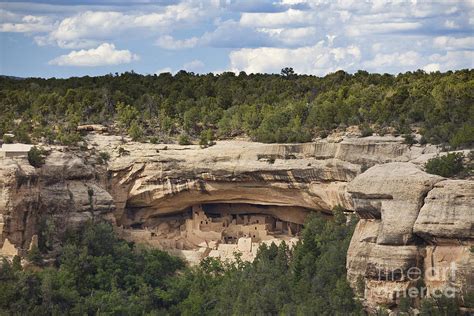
{"x":62,"y":38}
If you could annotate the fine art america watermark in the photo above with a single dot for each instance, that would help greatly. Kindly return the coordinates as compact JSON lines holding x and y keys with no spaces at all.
{"x":440,"y":278}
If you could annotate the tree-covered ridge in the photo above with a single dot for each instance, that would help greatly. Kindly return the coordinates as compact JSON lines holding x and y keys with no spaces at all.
{"x":266,"y":107}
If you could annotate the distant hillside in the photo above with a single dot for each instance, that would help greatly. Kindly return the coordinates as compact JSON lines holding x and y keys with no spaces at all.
{"x":11,"y":77}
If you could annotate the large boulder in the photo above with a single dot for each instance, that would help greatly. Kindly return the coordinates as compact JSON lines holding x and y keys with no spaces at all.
{"x":61,"y":166}
{"x":393,"y":192}
{"x":448,"y":212}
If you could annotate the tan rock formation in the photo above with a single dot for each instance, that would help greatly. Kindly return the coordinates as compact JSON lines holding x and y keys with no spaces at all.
{"x":394,"y":193}
{"x":414,"y":226}
{"x":63,"y":190}
{"x":448,"y":212}
{"x":158,"y":179}
{"x":409,"y":219}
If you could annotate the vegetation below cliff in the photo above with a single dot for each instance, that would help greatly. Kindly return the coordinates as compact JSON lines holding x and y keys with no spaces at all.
{"x":97,"y":273}
{"x":268,"y":108}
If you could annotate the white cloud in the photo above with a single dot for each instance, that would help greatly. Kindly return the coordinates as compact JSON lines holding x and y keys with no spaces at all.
{"x":454,"y":60}
{"x":431,"y":67}
{"x":163,"y":70}
{"x":272,"y":20}
{"x":88,"y":28}
{"x":317,"y":59}
{"x":406,"y":60}
{"x":168,"y":42}
{"x":380,"y":28}
{"x":103,"y":55}
{"x":315,"y":36}
{"x":66,"y":44}
{"x":194,"y":65}
{"x":24,"y":24}
{"x":451,"y":24}
{"x":452,"y":43}
{"x":298,"y":36}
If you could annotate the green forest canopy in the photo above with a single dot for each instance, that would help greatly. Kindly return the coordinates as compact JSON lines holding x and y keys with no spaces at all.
{"x":266,"y":107}
{"x":96,"y":273}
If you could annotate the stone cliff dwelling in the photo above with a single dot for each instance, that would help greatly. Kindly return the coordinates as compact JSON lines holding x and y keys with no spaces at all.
{"x":216,"y":229}
{"x":14,"y":150}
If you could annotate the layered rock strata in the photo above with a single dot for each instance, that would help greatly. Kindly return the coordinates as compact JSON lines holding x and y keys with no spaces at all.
{"x":63,"y":193}
{"x":409,"y":219}
{"x":414,"y":227}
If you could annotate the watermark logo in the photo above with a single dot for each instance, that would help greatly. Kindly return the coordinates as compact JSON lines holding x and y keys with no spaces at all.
{"x":440,"y":273}
{"x":440,"y":280}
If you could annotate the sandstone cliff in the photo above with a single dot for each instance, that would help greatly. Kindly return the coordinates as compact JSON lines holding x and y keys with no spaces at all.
{"x":409,"y":219}
{"x":414,"y":227}
{"x":63,"y":193}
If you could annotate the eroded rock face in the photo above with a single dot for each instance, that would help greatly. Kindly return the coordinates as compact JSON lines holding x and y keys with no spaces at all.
{"x":448,"y":212}
{"x":394,"y":193}
{"x":414,"y":226}
{"x":157,"y":179}
{"x":409,"y":219}
{"x":62,"y":192}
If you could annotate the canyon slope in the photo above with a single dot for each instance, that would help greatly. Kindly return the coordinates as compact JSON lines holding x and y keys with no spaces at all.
{"x":197,"y":202}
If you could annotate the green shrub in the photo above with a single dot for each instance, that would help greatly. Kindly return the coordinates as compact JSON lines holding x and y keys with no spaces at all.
{"x":184,"y":139}
{"x":104,"y":157}
{"x":68,"y":137}
{"x":22,"y":134}
{"x":35,"y":157}
{"x":409,"y":139}
{"x":366,"y":131}
{"x":463,"y":137}
{"x":446,"y":166}
{"x":34,"y":256}
{"x":207,"y":138}
{"x":154,"y":140}
{"x":135,"y":131}
{"x":423,"y":140}
{"x":123,"y":152}
{"x":7,"y":139}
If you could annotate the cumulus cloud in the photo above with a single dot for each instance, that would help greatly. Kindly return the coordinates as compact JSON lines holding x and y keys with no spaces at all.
{"x":168,"y":42}
{"x":289,"y":17}
{"x":194,"y":65}
{"x":452,"y":43}
{"x":381,"y":28}
{"x":431,"y":67}
{"x":451,"y":24}
{"x":88,"y":28}
{"x":297,"y":36}
{"x":313,"y":36}
{"x":24,"y":24}
{"x":453,"y":60}
{"x":232,"y":34}
{"x":318,"y":59}
{"x":406,"y":59}
{"x":103,"y":55}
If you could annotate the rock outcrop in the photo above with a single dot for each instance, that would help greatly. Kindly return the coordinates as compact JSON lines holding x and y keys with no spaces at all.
{"x":394,"y":193}
{"x":157,"y":179}
{"x":447,"y":213}
{"x":414,"y":226}
{"x":63,"y":193}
